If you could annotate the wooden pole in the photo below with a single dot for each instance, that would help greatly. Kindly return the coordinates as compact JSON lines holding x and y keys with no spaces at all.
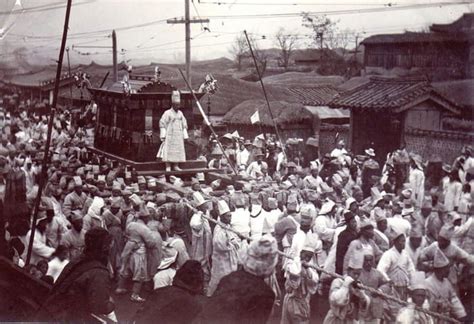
{"x":70,"y":75}
{"x":187,"y":27}
{"x":187,"y":21}
{"x":114,"y":55}
{"x":206,"y":120}
{"x":265,"y":93}
{"x":44,"y":167}
{"x":329,"y":273}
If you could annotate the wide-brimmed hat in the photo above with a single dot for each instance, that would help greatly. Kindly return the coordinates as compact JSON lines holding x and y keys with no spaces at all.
{"x":259,"y":153}
{"x":417,"y":160}
{"x":447,"y":168}
{"x":370,"y":152}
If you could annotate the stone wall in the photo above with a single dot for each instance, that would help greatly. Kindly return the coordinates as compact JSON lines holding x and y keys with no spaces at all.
{"x":327,"y":135}
{"x":446,"y":145}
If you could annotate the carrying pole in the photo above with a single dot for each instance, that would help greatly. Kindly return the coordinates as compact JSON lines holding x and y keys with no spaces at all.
{"x":208,"y":123}
{"x":329,"y":273}
{"x":44,"y":166}
{"x":265,"y":93}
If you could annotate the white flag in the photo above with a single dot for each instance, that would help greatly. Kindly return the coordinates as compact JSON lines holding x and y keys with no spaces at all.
{"x":255,"y":118}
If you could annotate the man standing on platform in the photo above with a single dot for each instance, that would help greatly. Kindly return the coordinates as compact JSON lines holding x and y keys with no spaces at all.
{"x":173,"y":132}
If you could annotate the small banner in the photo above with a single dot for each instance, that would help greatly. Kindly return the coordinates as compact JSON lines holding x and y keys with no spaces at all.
{"x":255,"y":118}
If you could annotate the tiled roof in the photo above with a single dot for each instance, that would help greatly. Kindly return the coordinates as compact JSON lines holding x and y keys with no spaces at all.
{"x":412,"y":37}
{"x":464,"y":23}
{"x":315,"y":96}
{"x":77,"y":94}
{"x":135,"y":85}
{"x":390,"y":94}
{"x":43,"y":78}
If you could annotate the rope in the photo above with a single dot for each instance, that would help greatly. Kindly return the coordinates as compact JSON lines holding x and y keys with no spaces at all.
{"x":335,"y":275}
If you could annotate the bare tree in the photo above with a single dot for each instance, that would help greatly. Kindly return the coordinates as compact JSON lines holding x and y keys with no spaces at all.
{"x":345,"y":38}
{"x":239,"y":50}
{"x":287,"y":43}
{"x":326,"y":33}
{"x":261,"y":56}
{"x":324,"y":29}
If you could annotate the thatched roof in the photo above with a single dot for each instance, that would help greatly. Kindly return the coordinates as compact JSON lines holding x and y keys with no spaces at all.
{"x":283,"y":112}
{"x":296,"y":79}
{"x":233,"y":91}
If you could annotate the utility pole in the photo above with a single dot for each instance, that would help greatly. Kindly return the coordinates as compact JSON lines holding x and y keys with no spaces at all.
{"x":320,"y":36}
{"x":356,"y":49}
{"x":114,"y":55}
{"x":70,"y":75}
{"x":187,"y":28}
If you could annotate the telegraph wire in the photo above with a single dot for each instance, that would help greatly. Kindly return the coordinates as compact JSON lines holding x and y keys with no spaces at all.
{"x":45,"y":7}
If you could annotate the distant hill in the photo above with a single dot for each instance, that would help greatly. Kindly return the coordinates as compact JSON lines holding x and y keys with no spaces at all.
{"x":302,"y":79}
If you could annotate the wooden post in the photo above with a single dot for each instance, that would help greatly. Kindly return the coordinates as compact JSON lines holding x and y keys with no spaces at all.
{"x":44,"y":167}
{"x":114,"y":55}
{"x":70,"y":75}
{"x":187,"y":37}
{"x":187,"y":28}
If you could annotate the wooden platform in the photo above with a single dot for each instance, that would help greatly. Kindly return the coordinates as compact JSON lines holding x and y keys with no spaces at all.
{"x":225,"y":178}
{"x":156,"y":167}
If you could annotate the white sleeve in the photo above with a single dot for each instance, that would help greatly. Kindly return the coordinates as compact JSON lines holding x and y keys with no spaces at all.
{"x":384,"y":264}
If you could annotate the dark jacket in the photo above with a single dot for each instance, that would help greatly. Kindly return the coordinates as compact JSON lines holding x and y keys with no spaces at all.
{"x":240,"y":298}
{"x":343,"y":240}
{"x":179,"y":303}
{"x":83,"y":288}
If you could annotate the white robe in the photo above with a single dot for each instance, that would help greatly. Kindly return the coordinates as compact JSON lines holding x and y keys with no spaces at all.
{"x":241,"y":221}
{"x":417,"y":183}
{"x":173,"y":128}
{"x":40,"y":250}
{"x":452,"y":196}
{"x":396,"y":266}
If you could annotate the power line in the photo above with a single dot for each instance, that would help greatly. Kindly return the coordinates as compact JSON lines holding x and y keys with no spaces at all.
{"x":178,"y":48}
{"x":295,"y":4}
{"x":217,"y":34}
{"x":254,"y":16}
{"x":46,"y":7}
{"x":342,"y":12}
{"x":150,"y":23}
{"x":197,"y":13}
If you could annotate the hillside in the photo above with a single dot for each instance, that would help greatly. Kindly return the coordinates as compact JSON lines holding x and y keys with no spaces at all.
{"x":302,"y":79}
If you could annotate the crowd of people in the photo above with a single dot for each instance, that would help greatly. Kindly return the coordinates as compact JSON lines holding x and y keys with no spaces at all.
{"x":209,"y":251}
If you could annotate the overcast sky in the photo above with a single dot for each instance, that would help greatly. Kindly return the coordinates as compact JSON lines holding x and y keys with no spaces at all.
{"x":39,"y":27}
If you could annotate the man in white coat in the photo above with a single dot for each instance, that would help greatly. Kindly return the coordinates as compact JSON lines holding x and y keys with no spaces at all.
{"x":225,"y":247}
{"x":173,"y":132}
{"x":40,"y":249}
{"x":417,"y":180}
{"x":397,"y":266}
